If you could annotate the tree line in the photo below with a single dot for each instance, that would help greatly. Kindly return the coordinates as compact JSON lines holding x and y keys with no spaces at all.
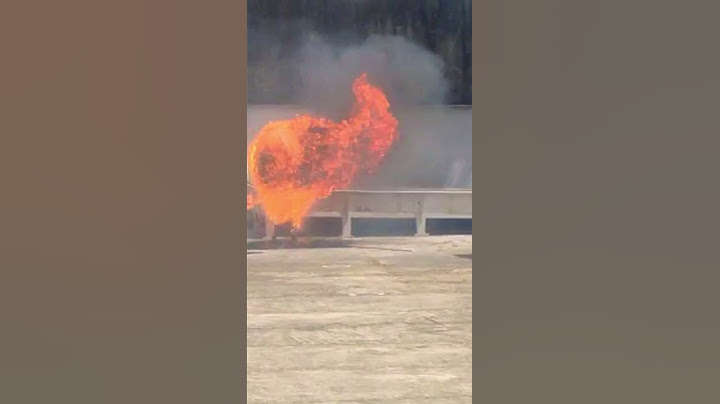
{"x":275,"y":28}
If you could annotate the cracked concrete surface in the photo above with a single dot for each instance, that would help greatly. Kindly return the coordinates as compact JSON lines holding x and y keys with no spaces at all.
{"x":376,"y":320}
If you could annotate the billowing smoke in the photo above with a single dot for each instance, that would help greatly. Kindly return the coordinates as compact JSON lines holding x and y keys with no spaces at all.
{"x":434,"y":148}
{"x":408,"y":73}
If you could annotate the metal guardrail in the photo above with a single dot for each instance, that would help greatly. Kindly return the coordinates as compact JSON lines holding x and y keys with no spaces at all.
{"x":418,"y":204}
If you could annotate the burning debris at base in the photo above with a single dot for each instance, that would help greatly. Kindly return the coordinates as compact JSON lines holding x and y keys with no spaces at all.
{"x":293,"y":163}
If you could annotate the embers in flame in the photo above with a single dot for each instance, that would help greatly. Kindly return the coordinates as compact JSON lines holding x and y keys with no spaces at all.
{"x":293,"y":163}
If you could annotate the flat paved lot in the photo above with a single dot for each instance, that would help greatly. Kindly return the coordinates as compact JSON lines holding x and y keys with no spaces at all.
{"x":380,"y":320}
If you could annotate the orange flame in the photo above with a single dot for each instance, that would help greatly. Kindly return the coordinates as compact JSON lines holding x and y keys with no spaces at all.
{"x":294,"y":163}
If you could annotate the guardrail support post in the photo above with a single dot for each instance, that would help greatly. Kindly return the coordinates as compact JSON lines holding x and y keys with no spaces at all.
{"x":269,"y":230}
{"x":420,"y":217}
{"x":346,"y":219}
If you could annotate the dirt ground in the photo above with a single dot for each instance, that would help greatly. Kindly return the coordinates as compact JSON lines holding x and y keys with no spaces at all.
{"x":373,"y":320}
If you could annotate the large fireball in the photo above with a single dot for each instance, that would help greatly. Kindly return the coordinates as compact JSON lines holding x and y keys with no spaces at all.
{"x":294,"y":163}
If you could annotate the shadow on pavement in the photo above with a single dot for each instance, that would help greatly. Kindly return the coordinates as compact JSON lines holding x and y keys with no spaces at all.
{"x":300,"y":242}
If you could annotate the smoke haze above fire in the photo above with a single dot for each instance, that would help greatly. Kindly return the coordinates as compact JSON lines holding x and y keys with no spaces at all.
{"x":408,"y":73}
{"x":315,"y":72}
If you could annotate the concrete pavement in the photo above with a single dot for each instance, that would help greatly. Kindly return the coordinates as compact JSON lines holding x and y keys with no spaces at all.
{"x":386,"y":320}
